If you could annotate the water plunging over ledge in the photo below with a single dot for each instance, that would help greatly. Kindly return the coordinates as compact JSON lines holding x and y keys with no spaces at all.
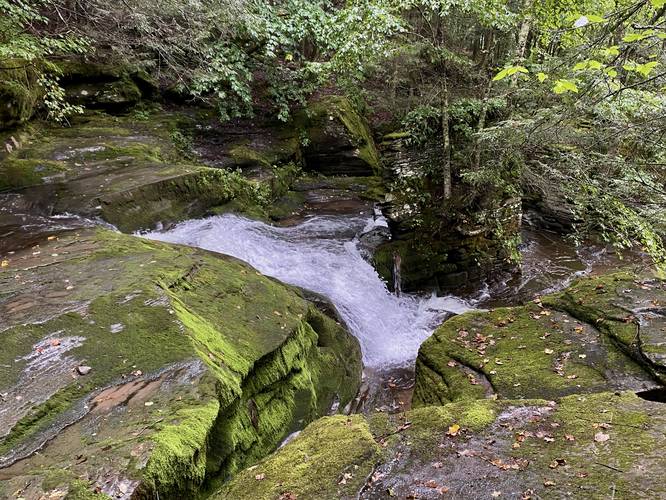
{"x":322,"y":255}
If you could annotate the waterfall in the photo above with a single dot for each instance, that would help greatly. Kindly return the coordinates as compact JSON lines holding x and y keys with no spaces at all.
{"x":322,"y":254}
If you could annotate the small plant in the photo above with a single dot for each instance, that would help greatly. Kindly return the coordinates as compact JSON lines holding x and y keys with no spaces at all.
{"x":183,"y":143}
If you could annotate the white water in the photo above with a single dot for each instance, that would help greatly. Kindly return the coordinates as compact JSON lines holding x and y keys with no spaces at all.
{"x":322,"y":255}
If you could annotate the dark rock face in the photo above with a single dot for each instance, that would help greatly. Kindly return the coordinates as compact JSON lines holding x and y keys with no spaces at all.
{"x":337,"y":140}
{"x":125,"y":171}
{"x":444,"y":248}
{"x":113,"y":87}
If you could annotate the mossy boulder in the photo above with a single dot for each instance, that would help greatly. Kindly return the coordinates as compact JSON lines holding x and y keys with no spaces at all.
{"x":332,"y":458}
{"x":583,"y":446}
{"x":533,"y":351}
{"x":139,"y":369}
{"x":629,"y":309}
{"x":337,"y":139}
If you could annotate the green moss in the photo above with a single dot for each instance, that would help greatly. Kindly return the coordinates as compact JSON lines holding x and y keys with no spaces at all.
{"x":81,"y":490}
{"x":57,"y":477}
{"x":313,"y":465}
{"x":178,"y":462}
{"x":593,"y":465}
{"x":612,"y":303}
{"x":589,"y":300}
{"x":19,"y":93}
{"x":18,"y":173}
{"x":274,"y":362}
{"x":522,"y":352}
{"x":394,"y":136}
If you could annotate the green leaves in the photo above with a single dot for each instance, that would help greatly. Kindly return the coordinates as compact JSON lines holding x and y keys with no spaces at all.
{"x":510,"y":71}
{"x":637,"y":37}
{"x":642,"y":69}
{"x":658,"y":4}
{"x":590,"y":64}
{"x":564,"y":86}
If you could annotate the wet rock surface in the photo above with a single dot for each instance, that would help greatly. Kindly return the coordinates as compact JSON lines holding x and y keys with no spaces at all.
{"x":125,"y":170}
{"x":534,"y":351}
{"x":582,"y":446}
{"x":140,"y":368}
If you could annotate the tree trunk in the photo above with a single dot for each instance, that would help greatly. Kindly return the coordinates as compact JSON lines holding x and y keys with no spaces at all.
{"x":523,"y":35}
{"x":446,"y":140}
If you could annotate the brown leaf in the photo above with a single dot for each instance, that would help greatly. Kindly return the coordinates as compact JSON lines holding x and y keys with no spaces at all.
{"x":345,"y":477}
{"x":260,"y":477}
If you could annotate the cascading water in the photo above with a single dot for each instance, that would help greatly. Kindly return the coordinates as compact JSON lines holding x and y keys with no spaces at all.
{"x":322,"y":255}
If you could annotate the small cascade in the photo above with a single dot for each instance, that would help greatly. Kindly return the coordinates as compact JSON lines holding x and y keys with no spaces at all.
{"x":324,"y":254}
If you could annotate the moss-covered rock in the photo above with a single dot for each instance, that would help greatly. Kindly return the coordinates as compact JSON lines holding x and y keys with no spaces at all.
{"x":110,"y":85}
{"x":132,"y":173}
{"x":523,"y":352}
{"x":142,"y":367}
{"x":331,"y":458}
{"x":591,"y":446}
{"x":444,"y":245}
{"x":629,"y":309}
{"x":336,"y":139}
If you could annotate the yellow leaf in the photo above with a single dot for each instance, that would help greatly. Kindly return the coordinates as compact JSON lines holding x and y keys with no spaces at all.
{"x":4,"y":263}
{"x":453,"y":430}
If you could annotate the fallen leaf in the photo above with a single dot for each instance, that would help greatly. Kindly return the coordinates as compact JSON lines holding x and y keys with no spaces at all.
{"x":548,"y":351}
{"x":600,"y":437}
{"x":496,"y":494}
{"x":549,"y":483}
{"x":4,"y":263}
{"x":453,"y":430}
{"x":345,"y":477}
{"x":260,"y":477}
{"x":569,"y":437}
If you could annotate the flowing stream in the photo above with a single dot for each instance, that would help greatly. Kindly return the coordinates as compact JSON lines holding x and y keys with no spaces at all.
{"x":322,"y":254}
